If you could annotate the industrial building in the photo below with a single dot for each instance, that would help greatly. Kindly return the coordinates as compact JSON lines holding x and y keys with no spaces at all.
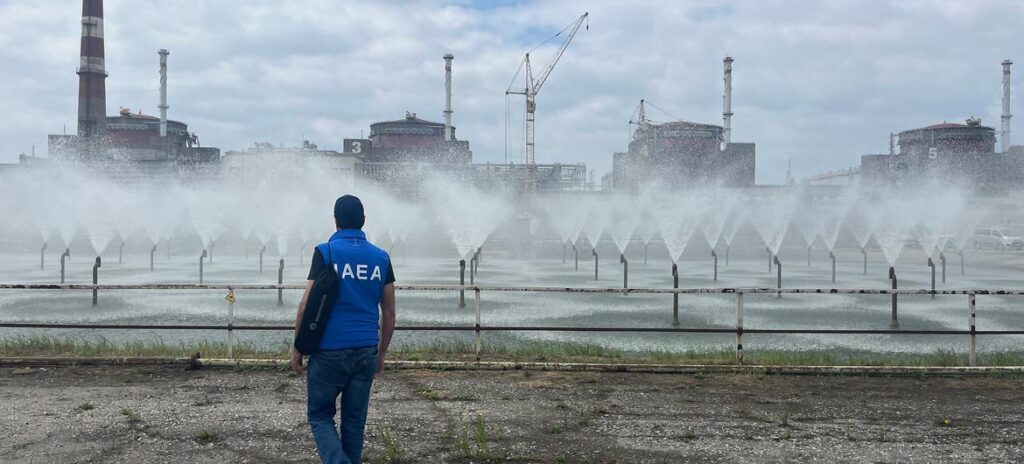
{"x":683,"y":154}
{"x":130,"y":144}
{"x":963,"y":154}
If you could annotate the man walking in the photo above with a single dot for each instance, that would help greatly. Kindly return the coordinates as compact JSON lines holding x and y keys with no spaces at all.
{"x":357,"y":336}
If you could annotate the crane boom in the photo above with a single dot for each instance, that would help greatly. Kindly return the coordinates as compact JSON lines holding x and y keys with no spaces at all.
{"x":533,"y":86}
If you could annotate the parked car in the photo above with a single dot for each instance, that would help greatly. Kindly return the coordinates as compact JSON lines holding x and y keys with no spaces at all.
{"x":997,"y":239}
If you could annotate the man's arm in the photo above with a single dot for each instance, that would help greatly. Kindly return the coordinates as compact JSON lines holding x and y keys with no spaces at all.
{"x":296,"y":360}
{"x":387,"y":326}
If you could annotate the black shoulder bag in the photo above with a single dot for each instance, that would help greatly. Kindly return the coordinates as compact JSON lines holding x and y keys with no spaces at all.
{"x":318,"y":308}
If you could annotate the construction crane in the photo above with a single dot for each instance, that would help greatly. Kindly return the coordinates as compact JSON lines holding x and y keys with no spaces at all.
{"x":532,"y":88}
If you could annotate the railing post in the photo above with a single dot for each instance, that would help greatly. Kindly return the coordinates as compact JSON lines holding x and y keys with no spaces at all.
{"x":675,"y":296}
{"x":96,"y":280}
{"x":625,"y":270}
{"x":202,"y":257}
{"x":973,"y":354}
{"x":479,"y":344}
{"x":833,"y":258}
{"x":42,"y":256}
{"x":895,"y":322}
{"x":280,"y":281}
{"x":63,"y":256}
{"x":593,"y":251}
{"x":715,"y":257}
{"x":931,"y":264}
{"x":231,"y":322}
{"x":462,"y":281}
{"x":152,"y":251}
{"x":739,"y":327}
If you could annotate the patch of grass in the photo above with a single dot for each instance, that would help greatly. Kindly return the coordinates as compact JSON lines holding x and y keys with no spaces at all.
{"x":85,"y":407}
{"x":132,"y":415}
{"x":787,"y":435}
{"x":554,"y":429}
{"x":500,"y":347}
{"x":206,"y":401}
{"x":432,"y":395}
{"x":784,"y":420}
{"x":393,"y":452}
{"x":207,"y":437}
{"x":474,"y":440}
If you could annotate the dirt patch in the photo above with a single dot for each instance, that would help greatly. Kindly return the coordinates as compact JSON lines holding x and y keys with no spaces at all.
{"x":169,"y":414}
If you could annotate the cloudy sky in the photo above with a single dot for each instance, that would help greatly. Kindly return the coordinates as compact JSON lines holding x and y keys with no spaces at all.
{"x":817,"y":82}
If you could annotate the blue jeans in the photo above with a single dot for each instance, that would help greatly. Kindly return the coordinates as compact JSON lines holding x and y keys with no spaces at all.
{"x":348,"y":373}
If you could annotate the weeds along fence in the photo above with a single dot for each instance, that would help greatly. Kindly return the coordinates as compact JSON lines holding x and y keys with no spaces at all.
{"x":478,"y":328}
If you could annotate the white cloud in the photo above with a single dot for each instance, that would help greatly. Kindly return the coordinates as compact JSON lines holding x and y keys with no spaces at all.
{"x":819,"y":82}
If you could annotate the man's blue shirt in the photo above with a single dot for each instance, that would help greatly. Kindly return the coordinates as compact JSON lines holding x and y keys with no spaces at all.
{"x":363,"y":270}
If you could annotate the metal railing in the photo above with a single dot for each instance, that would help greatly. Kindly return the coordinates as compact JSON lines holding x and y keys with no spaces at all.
{"x":478,"y":328}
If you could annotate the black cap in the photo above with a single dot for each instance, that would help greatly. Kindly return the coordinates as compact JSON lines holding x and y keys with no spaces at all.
{"x":348,"y":213}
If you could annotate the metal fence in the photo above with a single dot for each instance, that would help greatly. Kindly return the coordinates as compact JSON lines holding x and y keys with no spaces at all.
{"x":478,"y":327}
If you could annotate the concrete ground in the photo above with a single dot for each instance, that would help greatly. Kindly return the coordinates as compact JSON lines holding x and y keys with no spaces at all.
{"x":170,"y":414}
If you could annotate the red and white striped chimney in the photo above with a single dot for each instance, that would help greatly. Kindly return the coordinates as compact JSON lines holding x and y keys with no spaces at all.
{"x":92,"y":73}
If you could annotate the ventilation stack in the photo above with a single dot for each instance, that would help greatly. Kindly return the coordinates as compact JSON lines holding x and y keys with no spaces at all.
{"x":448,"y":97}
{"x":163,"y":91}
{"x":1005,"y":138}
{"x":727,"y":103}
{"x":92,"y":74}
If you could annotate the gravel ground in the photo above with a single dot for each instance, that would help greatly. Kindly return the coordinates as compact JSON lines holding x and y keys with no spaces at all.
{"x":169,"y":414}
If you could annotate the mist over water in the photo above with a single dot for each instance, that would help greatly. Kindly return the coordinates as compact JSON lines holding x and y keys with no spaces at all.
{"x":286,"y":206}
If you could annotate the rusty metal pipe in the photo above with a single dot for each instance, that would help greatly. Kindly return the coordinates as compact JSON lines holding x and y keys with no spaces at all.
{"x":942,"y":259}
{"x":96,"y":280}
{"x":593,"y":251}
{"x":931,"y":264}
{"x":462,"y":281}
{"x":675,"y":296}
{"x":895,"y":323}
{"x":778,"y":267}
{"x":280,"y":281}
{"x":64,"y":256}
{"x":715,"y":257}
{"x":625,"y":270}
{"x":833,"y":258}
{"x":202,"y":257}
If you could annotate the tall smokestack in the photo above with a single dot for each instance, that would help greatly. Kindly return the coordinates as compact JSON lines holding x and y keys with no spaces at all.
{"x":1005,"y":138}
{"x":163,"y":91}
{"x":92,"y":74}
{"x":448,"y":97}
{"x":727,"y":102}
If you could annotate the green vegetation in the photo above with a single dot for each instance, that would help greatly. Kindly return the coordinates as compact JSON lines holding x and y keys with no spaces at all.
{"x":473,"y":441}
{"x":85,"y":407}
{"x":503,"y":349}
{"x":206,"y":437}
{"x":393,"y":452}
{"x":132,"y":415}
